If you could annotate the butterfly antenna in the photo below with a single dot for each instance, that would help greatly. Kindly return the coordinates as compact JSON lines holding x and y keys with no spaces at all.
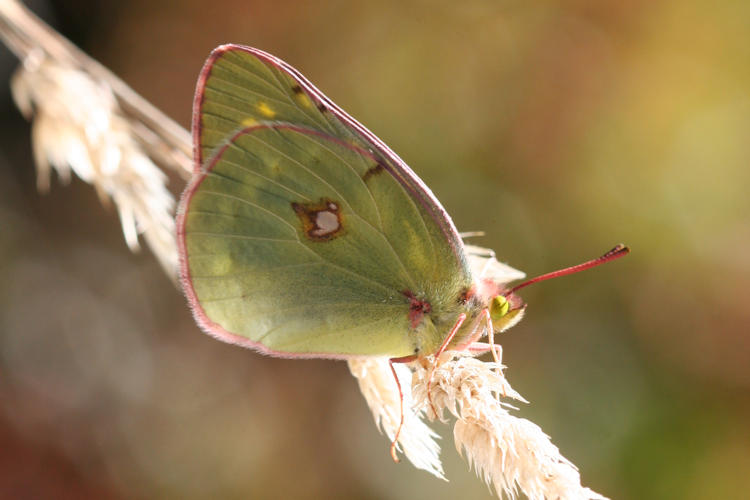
{"x":617,"y":252}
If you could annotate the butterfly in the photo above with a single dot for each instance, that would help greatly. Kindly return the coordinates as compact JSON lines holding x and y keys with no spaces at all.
{"x":303,"y":235}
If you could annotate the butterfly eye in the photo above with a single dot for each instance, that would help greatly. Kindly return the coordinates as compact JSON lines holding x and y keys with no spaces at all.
{"x":499,"y":307}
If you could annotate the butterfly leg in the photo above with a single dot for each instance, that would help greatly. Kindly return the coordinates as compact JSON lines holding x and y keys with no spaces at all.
{"x":407,"y":359}
{"x":491,"y":334}
{"x":484,"y":347}
{"x":394,"y":456}
{"x":441,"y":349}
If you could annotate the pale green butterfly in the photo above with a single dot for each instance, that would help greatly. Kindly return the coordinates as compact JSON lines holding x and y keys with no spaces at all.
{"x":303,"y":235}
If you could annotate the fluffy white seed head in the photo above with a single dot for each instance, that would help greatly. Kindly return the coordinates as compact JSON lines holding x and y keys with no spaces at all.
{"x":512,"y":454}
{"x":77,"y":126}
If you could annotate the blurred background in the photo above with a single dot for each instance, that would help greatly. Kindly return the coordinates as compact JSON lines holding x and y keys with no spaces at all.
{"x":559,"y":128}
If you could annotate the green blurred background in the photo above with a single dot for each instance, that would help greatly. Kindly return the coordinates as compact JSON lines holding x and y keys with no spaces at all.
{"x":559,"y":128}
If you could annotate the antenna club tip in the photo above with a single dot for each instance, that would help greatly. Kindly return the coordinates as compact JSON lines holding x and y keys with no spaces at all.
{"x":619,"y":250}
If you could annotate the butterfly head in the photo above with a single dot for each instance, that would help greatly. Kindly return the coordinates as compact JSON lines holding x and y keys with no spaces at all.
{"x":506,"y":310}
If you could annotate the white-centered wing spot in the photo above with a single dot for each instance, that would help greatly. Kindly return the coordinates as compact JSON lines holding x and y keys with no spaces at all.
{"x":321,"y":221}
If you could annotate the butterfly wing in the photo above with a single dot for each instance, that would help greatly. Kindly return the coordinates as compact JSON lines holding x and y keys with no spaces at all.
{"x":302,"y":234}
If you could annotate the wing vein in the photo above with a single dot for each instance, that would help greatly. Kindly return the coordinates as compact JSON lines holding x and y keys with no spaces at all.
{"x":241,"y":237}
{"x":242,"y":200}
{"x":302,"y":165}
{"x":244,"y":90}
{"x":333,"y":332}
{"x":270,"y":181}
{"x":250,"y":271}
{"x":255,"y":75}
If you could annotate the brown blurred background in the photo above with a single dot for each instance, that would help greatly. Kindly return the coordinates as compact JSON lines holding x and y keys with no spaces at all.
{"x":559,"y":128}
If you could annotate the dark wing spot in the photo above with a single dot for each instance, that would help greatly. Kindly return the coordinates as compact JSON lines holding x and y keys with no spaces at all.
{"x":321,"y":221}
{"x":373,"y":171}
{"x":297,"y":89}
{"x":322,"y":107}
